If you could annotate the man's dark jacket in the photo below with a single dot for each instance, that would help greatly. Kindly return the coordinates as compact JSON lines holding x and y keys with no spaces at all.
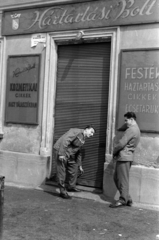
{"x":69,"y":145}
{"x":124,"y":149}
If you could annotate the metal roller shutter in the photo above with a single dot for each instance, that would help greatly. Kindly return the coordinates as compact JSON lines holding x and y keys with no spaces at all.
{"x":82,"y":99}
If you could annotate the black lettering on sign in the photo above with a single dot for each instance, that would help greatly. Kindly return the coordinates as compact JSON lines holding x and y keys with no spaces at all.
{"x":19,"y":71}
{"x":26,"y":104}
{"x":11,"y":104}
{"x":27,"y":87}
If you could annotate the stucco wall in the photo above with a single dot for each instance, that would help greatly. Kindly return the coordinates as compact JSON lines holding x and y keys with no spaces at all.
{"x":13,"y":3}
{"x":0,"y":23}
{"x":141,"y":37}
{"x":18,"y":137}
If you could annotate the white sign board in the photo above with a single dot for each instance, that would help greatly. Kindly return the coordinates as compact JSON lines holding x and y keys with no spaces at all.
{"x":38,"y":38}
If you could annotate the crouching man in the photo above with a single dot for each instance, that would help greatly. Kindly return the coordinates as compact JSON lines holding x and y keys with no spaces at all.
{"x":69,"y":157}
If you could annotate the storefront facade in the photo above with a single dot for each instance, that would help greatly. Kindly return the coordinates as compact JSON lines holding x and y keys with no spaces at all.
{"x":69,"y":64}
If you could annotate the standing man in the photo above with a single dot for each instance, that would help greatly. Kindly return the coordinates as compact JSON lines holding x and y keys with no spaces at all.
{"x":69,"y":157}
{"x":124,"y":154}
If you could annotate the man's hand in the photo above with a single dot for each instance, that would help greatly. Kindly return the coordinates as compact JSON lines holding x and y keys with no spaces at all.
{"x":81,"y":170}
{"x":114,"y":157}
{"x":62,"y":158}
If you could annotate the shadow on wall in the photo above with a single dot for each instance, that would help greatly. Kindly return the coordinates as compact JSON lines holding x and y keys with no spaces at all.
{"x":109,"y":189}
{"x":1,"y":220}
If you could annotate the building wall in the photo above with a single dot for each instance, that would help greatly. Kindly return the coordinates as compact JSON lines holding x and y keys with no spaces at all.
{"x":12,"y":3}
{"x":20,"y":159}
{"x":18,"y":137}
{"x":139,"y":36}
{"x":142,"y":37}
{"x":144,"y":177}
{"x":31,"y":169}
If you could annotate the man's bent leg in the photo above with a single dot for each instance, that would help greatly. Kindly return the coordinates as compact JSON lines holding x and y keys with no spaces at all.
{"x":72,"y":171}
{"x":61,"y":174}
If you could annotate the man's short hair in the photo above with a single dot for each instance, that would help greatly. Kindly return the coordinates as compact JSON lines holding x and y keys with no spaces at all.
{"x":90,"y":126}
{"x":130,"y":115}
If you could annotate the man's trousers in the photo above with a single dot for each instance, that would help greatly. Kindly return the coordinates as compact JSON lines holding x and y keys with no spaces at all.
{"x":121,"y":179}
{"x":67,"y":169}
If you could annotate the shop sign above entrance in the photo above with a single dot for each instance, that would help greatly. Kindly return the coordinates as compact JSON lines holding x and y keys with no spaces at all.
{"x":84,"y":15}
{"x":139,"y":88}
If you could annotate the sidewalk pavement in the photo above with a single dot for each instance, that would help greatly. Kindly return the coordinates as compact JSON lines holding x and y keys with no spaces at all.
{"x":41,"y":214}
{"x":92,"y":194}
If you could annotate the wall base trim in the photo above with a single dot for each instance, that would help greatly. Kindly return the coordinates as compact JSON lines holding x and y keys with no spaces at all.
{"x":143,"y":184}
{"x":22,"y":169}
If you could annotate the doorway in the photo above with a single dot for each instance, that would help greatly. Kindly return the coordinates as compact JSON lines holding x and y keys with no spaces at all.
{"x":82,"y":90}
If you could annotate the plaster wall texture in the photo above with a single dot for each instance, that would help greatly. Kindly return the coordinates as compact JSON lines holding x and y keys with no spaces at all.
{"x":20,"y":169}
{"x":0,"y":24}
{"x":139,"y":36}
{"x":13,"y":3}
{"x":22,"y":139}
{"x":142,"y":37}
{"x":18,"y":137}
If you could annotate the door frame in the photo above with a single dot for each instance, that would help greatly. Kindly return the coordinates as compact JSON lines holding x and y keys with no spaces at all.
{"x":48,"y":120}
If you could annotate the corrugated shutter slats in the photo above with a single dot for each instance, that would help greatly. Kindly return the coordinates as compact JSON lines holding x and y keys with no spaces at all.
{"x":82,"y":99}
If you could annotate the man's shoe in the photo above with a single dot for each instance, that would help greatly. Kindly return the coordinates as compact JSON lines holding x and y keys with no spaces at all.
{"x":117,"y":204}
{"x":65,"y":196}
{"x":129,"y":203}
{"x":73,"y":190}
